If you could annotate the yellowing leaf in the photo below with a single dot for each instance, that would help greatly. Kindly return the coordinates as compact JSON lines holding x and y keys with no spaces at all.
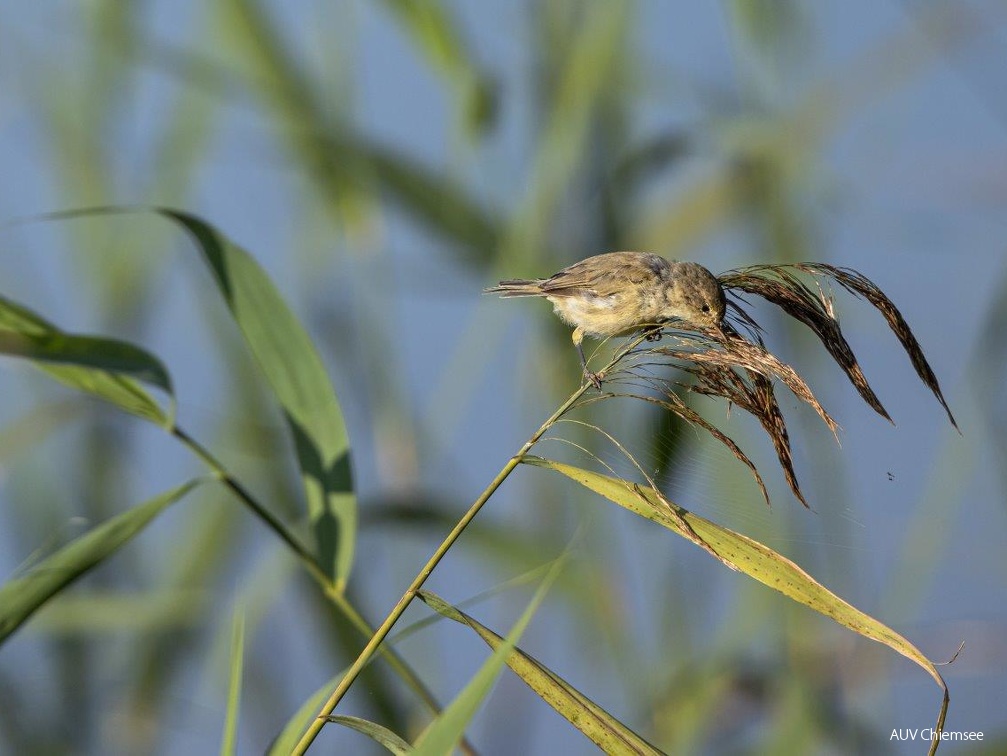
{"x":741,"y":553}
{"x":607,"y":732}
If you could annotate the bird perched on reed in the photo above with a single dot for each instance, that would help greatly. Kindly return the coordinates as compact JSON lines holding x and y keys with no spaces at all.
{"x":620,"y":292}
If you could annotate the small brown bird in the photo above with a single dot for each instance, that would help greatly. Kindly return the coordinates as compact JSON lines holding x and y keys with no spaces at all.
{"x":620,"y":292}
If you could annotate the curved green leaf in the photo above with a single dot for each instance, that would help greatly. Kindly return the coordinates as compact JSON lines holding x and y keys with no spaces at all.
{"x":284,"y":352}
{"x":741,"y":553}
{"x":447,"y":730}
{"x":20,"y":597}
{"x":106,"y":368}
{"x":286,"y":741}
{"x":604,"y":730}
{"x":295,"y":372}
{"x":229,"y":743}
{"x":380,"y":735}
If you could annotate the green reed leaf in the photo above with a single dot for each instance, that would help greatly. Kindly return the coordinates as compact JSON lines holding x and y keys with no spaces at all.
{"x":106,"y":368}
{"x":295,"y":371}
{"x":292,"y":366}
{"x":447,"y":730}
{"x":23,"y":595}
{"x":379,"y":734}
{"x":229,"y":744}
{"x":285,"y":742}
{"x":604,"y":730}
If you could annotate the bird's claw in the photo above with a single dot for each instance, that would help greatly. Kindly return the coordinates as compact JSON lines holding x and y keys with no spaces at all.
{"x":594,"y":378}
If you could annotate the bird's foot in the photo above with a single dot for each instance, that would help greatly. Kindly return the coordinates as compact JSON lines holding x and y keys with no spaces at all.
{"x":594,"y":379}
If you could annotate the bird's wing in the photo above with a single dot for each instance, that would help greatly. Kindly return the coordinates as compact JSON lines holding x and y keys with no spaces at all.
{"x":579,"y":277}
{"x":604,"y":275}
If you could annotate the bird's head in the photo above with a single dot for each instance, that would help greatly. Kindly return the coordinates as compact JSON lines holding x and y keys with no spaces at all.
{"x":695,"y":296}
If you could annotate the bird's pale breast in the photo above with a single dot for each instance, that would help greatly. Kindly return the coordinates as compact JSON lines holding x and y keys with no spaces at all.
{"x":607,"y":315}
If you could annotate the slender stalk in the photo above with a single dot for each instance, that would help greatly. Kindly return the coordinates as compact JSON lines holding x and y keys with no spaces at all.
{"x":337,"y":597}
{"x":382,"y":632}
{"x":394,"y":660}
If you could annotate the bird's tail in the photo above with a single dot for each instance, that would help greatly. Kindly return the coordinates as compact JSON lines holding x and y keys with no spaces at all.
{"x":516,"y":288}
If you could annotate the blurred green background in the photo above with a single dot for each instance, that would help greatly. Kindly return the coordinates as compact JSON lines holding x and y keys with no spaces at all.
{"x":386,"y":159}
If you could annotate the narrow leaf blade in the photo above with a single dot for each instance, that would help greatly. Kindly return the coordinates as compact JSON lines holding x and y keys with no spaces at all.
{"x":447,"y":730}
{"x":604,"y":730}
{"x":229,"y":744}
{"x":295,"y":371}
{"x":379,"y":734}
{"x":109,"y":369}
{"x":286,"y":741}
{"x":23,"y":595}
{"x":743,"y":554}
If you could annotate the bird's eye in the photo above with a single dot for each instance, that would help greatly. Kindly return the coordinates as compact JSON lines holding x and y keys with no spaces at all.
{"x":706,"y":308}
